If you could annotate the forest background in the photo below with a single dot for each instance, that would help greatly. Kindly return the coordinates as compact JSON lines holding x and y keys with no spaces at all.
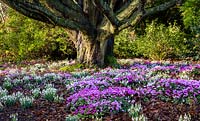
{"x":173,"y":34}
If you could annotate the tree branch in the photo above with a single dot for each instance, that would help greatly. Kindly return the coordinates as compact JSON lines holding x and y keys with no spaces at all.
{"x":160,"y":8}
{"x":107,"y":11}
{"x":127,"y":9}
{"x":41,"y":13}
{"x":67,"y":12}
{"x":141,"y":13}
{"x":72,"y":5}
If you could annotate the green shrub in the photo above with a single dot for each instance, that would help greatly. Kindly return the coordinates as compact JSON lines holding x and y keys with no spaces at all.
{"x":23,"y":38}
{"x":161,"y":42}
{"x":191,"y":16}
{"x":191,"y":19}
{"x":125,"y":46}
{"x":193,"y":47}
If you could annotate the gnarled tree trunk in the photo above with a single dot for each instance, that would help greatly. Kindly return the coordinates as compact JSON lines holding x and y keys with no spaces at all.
{"x":92,"y":51}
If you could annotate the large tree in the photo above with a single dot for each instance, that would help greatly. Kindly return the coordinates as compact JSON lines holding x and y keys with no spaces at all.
{"x":91,"y":24}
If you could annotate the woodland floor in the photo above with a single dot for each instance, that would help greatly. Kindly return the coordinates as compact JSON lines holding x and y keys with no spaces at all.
{"x":43,"y":110}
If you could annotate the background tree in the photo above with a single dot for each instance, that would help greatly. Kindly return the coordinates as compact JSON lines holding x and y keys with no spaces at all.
{"x":91,"y":23}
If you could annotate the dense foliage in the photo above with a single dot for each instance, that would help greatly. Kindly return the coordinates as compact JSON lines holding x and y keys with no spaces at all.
{"x":161,"y":39}
{"x":125,"y":45}
{"x":191,"y":16}
{"x":22,"y":38}
{"x":159,"y":42}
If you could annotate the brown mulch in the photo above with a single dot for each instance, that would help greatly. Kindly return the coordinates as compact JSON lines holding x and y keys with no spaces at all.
{"x":43,"y":110}
{"x":166,"y":111}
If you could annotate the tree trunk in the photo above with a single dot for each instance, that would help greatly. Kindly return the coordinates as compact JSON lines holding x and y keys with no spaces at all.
{"x":92,"y":51}
{"x":110,"y":46}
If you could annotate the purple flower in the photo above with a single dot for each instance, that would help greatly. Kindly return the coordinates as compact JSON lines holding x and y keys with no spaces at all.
{"x":168,"y":92}
{"x":116,"y":105}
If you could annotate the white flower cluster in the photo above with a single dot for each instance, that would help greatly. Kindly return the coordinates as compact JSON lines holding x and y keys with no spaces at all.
{"x":18,"y":95}
{"x":3,"y":92}
{"x":8,"y":100}
{"x":36,"y":92}
{"x":134,"y":112}
{"x":49,"y":92}
{"x":72,"y":118}
{"x":26,"y":101}
{"x":186,"y":117}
